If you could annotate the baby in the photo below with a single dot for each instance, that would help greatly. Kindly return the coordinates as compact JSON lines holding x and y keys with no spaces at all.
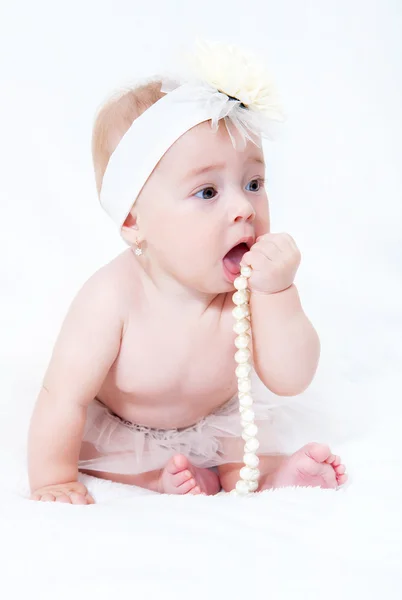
{"x":141,"y":386}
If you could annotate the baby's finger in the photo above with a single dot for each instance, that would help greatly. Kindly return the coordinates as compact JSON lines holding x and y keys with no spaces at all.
{"x":90,"y":500}
{"x":77,"y":498}
{"x":47,"y":497}
{"x":286,"y":241}
{"x":255,"y":260}
{"x":63,"y":498}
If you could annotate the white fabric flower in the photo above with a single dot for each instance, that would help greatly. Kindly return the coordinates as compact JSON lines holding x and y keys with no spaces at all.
{"x":235,"y":85}
{"x":237,"y":73}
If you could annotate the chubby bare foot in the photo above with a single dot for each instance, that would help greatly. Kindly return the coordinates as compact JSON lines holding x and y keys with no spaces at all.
{"x":181,"y":477}
{"x":314,"y":465}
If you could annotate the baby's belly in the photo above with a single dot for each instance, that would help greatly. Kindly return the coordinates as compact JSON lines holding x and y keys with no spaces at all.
{"x":167,"y":407}
{"x":172,"y":381}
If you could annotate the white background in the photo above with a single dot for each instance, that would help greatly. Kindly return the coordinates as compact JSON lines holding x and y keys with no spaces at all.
{"x":334,"y":177}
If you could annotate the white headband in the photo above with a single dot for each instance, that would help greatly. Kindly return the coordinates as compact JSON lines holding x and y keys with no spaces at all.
{"x":184,"y":106}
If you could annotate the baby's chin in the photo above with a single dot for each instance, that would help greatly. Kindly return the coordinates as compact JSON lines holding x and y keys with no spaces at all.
{"x":212,"y":284}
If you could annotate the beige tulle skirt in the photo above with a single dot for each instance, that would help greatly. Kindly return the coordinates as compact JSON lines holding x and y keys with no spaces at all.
{"x":113,"y":445}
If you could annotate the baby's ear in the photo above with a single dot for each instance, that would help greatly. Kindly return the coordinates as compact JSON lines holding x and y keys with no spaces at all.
{"x":129,"y":229}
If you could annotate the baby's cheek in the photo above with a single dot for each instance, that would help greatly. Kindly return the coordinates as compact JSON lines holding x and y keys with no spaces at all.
{"x":262,"y":223}
{"x":262,"y":220}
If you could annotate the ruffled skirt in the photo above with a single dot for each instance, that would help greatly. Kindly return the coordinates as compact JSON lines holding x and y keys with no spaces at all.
{"x":113,"y":445}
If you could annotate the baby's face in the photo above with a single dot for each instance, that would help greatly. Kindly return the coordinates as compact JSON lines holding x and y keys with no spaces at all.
{"x":203,"y":198}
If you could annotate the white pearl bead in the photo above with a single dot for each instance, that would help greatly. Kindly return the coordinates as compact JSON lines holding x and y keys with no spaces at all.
{"x":242,"y":341}
{"x":245,"y":271}
{"x":242,"y":487}
{"x":240,"y":312}
{"x":241,"y":297}
{"x":242,"y":356}
{"x":240,"y":283}
{"x":252,"y":486}
{"x":245,"y":401}
{"x":243,"y":370}
{"x":237,"y":298}
{"x":247,"y":415}
{"x":246,"y":473}
{"x":241,"y":326}
{"x":251,"y":430}
{"x":251,"y":460}
{"x":255,"y":474}
{"x":244,"y":385}
{"x":252,"y":444}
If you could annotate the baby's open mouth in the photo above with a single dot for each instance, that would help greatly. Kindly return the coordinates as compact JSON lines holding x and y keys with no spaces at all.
{"x":232,"y":259}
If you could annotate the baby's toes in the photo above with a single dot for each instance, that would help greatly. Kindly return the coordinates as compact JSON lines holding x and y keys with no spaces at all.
{"x":187,"y":486}
{"x":181,"y":478}
{"x":331,"y":459}
{"x":340,"y":469}
{"x":318,"y":452}
{"x":341,"y":479}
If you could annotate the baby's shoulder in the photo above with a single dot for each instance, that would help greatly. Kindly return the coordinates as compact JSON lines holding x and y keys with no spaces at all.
{"x":110,"y":285}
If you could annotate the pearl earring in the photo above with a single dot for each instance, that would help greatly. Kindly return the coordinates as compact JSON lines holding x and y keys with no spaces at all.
{"x":138,"y":251}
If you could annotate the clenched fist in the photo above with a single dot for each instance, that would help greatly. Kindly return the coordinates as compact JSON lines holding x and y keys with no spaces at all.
{"x":274,"y":259}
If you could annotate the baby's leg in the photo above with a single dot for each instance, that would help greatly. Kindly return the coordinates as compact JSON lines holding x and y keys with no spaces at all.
{"x":149,"y":481}
{"x":178,"y":477}
{"x":312,"y":466}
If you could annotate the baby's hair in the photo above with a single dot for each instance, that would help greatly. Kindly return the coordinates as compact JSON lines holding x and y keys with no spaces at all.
{"x":115,"y":117}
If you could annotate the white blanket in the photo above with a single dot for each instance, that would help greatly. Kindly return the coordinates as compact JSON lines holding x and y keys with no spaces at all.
{"x":285,"y":544}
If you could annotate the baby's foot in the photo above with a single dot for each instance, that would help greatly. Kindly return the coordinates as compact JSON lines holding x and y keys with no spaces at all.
{"x":181,"y":477}
{"x":312,"y":466}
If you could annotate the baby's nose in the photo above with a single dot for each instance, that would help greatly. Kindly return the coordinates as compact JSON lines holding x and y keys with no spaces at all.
{"x":242,"y":209}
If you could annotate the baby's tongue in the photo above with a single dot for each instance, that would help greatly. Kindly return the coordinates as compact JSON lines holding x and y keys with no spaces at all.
{"x":233,"y":258}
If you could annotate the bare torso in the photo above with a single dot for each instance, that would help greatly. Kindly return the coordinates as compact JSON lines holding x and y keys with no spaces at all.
{"x":174,"y":365}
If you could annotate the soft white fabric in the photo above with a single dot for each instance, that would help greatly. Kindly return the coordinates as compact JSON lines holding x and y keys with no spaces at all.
{"x":290,"y":544}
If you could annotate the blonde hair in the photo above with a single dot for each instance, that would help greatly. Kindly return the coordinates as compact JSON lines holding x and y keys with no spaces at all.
{"x":115,"y":117}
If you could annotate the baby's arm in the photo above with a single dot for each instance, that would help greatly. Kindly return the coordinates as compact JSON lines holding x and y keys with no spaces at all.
{"x":87,"y":346}
{"x":285,"y":344}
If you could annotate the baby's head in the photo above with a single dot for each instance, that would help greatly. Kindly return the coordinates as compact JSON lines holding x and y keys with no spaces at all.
{"x":201,"y":199}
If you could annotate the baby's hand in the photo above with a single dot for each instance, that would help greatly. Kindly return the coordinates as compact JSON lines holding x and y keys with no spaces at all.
{"x":274,"y":259}
{"x":71,"y":493}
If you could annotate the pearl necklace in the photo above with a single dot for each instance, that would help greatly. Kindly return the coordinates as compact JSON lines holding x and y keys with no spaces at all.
{"x":249,"y":474}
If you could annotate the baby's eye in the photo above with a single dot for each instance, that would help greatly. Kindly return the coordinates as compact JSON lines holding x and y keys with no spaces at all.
{"x":256,"y":182}
{"x":207,"y":191}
